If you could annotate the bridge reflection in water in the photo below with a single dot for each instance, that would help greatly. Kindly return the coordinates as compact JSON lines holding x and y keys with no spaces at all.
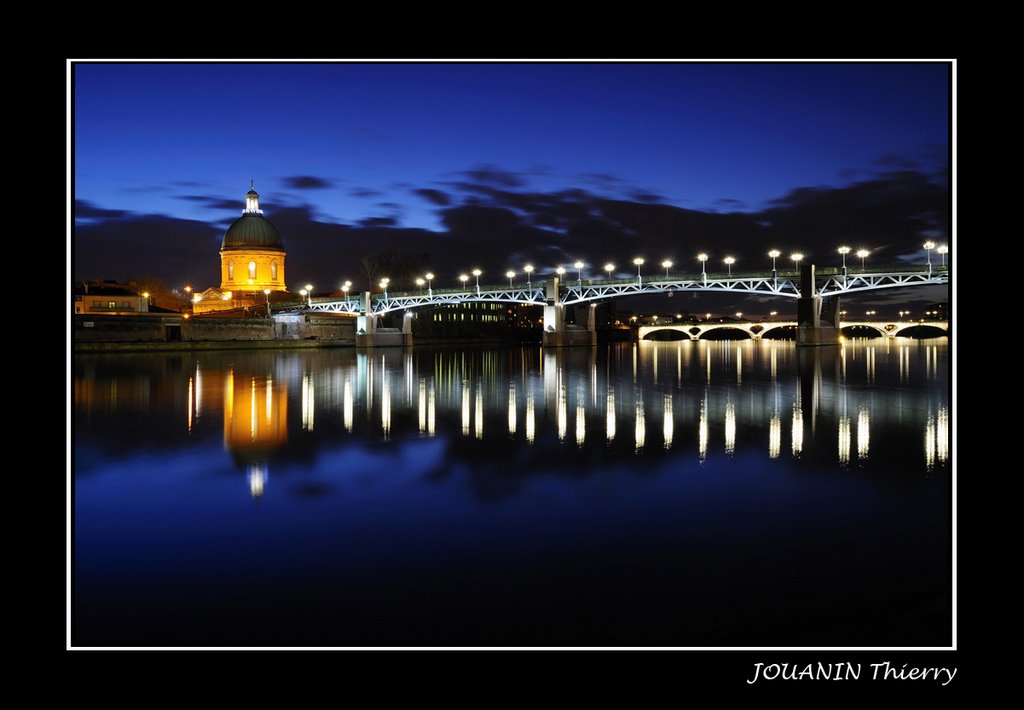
{"x":695,"y":398}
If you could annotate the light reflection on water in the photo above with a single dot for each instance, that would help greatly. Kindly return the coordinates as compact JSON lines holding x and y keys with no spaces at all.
{"x":694,"y":407}
{"x":297,"y":428}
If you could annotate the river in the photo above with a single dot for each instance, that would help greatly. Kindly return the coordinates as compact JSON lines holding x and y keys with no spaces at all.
{"x":682,"y":494}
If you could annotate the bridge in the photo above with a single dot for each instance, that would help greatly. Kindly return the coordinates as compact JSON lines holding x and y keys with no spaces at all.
{"x":817,"y":294}
{"x":757,"y":330}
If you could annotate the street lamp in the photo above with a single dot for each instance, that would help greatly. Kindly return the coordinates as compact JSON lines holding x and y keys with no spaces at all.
{"x":863,"y":254}
{"x":639,"y":261}
{"x":928,"y":246}
{"x":560,"y":271}
{"x":266,"y":292}
{"x":729,"y":261}
{"x":510,"y":273}
{"x":943,"y":250}
{"x":421,"y":283}
{"x":702,"y":258}
{"x":476,"y":273}
{"x":797,"y":258}
{"x":302,"y":292}
{"x":844,"y":251}
{"x":739,"y":314}
{"x":529,"y":270}
{"x":384,"y":286}
{"x":463,"y":278}
{"x":774,"y":254}
{"x":870,"y":313}
{"x":579,"y":272}
{"x":667,"y":264}
{"x":430,"y":291}
{"x":309,"y":290}
{"x":773,"y":314}
{"x":609,"y":267}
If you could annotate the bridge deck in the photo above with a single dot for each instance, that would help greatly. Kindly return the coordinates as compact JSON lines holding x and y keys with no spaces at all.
{"x":783,"y":283}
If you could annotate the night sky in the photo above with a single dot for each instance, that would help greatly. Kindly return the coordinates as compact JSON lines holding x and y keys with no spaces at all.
{"x":495,"y":165}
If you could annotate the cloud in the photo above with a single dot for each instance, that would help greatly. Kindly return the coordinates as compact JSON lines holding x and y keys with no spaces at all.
{"x":493,"y":175}
{"x":306,"y":182}
{"x":146,"y":189}
{"x":87,"y":210}
{"x":215,"y":203}
{"x":364,"y":192}
{"x":431,"y":195}
{"x":898,"y":162}
{"x":645,"y":196}
{"x":132,"y":246}
{"x":730,"y":203}
{"x":378,"y":222}
{"x":893,"y":211}
{"x":602,"y":179}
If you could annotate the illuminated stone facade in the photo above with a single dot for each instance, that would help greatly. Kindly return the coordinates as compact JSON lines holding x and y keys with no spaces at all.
{"x":251,"y":270}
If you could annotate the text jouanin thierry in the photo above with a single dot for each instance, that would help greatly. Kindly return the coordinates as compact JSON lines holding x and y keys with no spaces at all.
{"x":884,"y":670}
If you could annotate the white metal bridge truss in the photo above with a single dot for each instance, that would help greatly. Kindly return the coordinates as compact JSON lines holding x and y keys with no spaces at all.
{"x":574,"y":292}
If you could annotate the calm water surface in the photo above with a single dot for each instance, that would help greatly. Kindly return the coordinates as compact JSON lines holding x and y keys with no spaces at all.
{"x":682,"y":494}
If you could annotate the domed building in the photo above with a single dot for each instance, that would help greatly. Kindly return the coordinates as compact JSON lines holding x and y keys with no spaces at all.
{"x":252,"y":253}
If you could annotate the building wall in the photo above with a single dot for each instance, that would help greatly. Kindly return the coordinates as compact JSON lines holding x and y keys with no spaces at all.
{"x":154,"y":328}
{"x":314,"y":326}
{"x":122,"y":328}
{"x":255,"y":302}
{"x":241,"y":281}
{"x":227,"y":329}
{"x":100,"y":303}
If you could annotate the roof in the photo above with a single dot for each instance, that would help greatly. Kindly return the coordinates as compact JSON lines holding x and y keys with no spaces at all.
{"x":96,"y":288}
{"x":252,"y":231}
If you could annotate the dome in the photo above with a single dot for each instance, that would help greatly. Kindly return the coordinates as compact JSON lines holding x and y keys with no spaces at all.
{"x":252,"y":231}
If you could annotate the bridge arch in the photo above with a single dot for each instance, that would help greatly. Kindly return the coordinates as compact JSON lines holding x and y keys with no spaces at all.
{"x":849,"y":330}
{"x":922,"y":330}
{"x":670,"y":334}
{"x":774,"y":331}
{"x":727,"y":329}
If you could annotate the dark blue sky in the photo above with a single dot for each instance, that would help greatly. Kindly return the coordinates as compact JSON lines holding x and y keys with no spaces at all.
{"x":411,"y":147}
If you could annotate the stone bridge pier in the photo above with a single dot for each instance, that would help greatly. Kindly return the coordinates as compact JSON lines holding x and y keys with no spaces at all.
{"x":557,"y":333}
{"x":369,"y":334}
{"x":817,"y":318}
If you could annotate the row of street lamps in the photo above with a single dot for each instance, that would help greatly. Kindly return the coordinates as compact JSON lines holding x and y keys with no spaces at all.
{"x":666,"y":264}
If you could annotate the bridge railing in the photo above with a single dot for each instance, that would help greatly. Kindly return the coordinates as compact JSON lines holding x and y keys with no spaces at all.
{"x":649,"y":279}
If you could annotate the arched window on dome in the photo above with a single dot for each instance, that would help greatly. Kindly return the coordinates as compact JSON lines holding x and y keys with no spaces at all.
{"x":273,"y":271}
{"x":252,"y":269}
{"x":231,"y":271}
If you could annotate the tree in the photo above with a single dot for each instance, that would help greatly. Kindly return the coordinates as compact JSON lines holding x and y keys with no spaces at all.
{"x":401,"y":268}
